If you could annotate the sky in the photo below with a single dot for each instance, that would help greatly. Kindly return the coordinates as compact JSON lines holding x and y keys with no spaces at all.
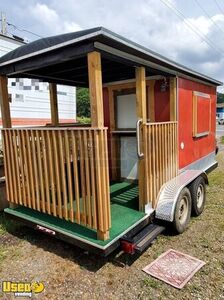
{"x":189,"y":32}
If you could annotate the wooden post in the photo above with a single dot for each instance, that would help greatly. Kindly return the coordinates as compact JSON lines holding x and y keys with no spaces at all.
{"x":151,"y":101}
{"x":141,"y":114}
{"x":6,"y":118}
{"x":4,"y":101}
{"x":173,"y":99}
{"x":95,"y":89}
{"x":97,"y":120}
{"x":54,"y":104}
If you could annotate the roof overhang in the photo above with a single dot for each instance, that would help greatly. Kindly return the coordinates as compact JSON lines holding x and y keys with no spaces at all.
{"x":119,"y":55}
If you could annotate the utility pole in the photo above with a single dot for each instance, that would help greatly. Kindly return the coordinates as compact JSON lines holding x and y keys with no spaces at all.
{"x":4,"y":24}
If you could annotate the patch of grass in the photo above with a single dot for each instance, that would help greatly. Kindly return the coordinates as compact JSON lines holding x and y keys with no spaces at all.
{"x":2,"y":253}
{"x":222,"y":140}
{"x":216,"y":178}
{"x":7,"y":225}
{"x":152,"y":283}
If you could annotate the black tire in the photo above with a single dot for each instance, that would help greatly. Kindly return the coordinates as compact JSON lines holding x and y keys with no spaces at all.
{"x":182,"y":213}
{"x":198,"y":195}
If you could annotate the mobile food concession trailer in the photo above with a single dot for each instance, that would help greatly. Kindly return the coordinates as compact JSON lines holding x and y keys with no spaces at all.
{"x":145,"y":156}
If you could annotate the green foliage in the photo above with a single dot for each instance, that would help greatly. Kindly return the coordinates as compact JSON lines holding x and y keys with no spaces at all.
{"x":150,"y":282}
{"x":83,"y":103}
{"x":83,"y":120}
{"x":220,"y":98}
{"x":222,"y":139}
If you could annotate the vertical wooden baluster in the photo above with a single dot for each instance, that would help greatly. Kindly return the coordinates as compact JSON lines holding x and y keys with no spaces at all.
{"x":30,"y":167}
{"x":98,"y":183}
{"x":169,"y":147}
{"x":22,"y":166}
{"x":51,"y":171}
{"x":12,"y":191}
{"x":107,"y":179}
{"x":63,"y":176}
{"x":7,"y":166}
{"x":173,"y":150}
{"x":162,"y":152}
{"x":165,"y":151}
{"x":146,"y":157}
{"x":17,"y":169}
{"x":88,"y":191}
{"x":168,"y":151}
{"x":26,"y":169}
{"x":93,"y":182}
{"x":57,"y":173}
{"x":103,"y":180}
{"x":69,"y":176}
{"x":12,"y":158}
{"x":154,"y":163}
{"x":46,"y":171}
{"x":35,"y":171}
{"x":149,"y":128}
{"x":160,"y":156}
{"x":76,"y":176}
{"x":83,"y":182}
{"x":40,"y":170}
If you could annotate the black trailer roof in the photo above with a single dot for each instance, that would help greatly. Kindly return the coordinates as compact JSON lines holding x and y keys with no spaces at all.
{"x":62,"y":59}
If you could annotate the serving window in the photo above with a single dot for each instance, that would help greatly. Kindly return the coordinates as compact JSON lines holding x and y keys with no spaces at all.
{"x":201,"y":114}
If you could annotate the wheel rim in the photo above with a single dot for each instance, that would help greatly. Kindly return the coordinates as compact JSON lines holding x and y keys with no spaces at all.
{"x":183,"y":210}
{"x":200,"y":195}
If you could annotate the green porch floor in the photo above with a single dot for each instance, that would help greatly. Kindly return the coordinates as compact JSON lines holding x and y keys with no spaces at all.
{"x":124,"y":214}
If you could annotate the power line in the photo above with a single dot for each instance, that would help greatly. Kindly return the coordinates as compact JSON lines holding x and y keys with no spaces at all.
{"x":191,"y":26}
{"x":219,"y":7}
{"x":205,"y":12}
{"x":24,"y":30}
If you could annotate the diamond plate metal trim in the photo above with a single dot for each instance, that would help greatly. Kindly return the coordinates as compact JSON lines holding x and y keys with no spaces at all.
{"x":169,"y":194}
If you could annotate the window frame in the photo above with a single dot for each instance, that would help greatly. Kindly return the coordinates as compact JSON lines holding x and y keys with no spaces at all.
{"x":206,"y":97}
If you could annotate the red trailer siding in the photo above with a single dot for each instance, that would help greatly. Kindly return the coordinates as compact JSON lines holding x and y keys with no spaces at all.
{"x":194,"y":148}
{"x":162,"y":102}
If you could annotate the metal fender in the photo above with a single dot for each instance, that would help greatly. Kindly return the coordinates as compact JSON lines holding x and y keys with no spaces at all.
{"x":170,"y":191}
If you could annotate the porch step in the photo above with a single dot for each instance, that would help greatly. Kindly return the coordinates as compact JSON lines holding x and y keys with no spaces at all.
{"x":140,"y":241}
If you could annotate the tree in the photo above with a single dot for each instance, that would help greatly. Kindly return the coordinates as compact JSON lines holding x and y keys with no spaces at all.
{"x":220,"y":97}
{"x":82,"y":102}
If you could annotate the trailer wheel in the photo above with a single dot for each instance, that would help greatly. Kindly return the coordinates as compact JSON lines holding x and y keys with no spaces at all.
{"x":182,"y":211}
{"x":198,"y":195}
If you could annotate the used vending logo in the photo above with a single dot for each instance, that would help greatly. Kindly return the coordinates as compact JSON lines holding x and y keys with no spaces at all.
{"x":22,"y":289}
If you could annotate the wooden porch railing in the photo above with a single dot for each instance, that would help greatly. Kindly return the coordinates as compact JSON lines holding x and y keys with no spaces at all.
{"x":60,"y":171}
{"x":161,"y":159}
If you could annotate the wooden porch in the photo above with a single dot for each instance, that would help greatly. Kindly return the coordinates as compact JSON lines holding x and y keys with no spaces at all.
{"x":63,"y":172}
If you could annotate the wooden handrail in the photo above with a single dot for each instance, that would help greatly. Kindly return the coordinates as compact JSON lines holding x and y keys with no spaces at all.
{"x":55,"y":128}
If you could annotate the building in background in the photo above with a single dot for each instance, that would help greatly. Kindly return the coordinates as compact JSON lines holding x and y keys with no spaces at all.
{"x":220,"y":110}
{"x":30,"y":102}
